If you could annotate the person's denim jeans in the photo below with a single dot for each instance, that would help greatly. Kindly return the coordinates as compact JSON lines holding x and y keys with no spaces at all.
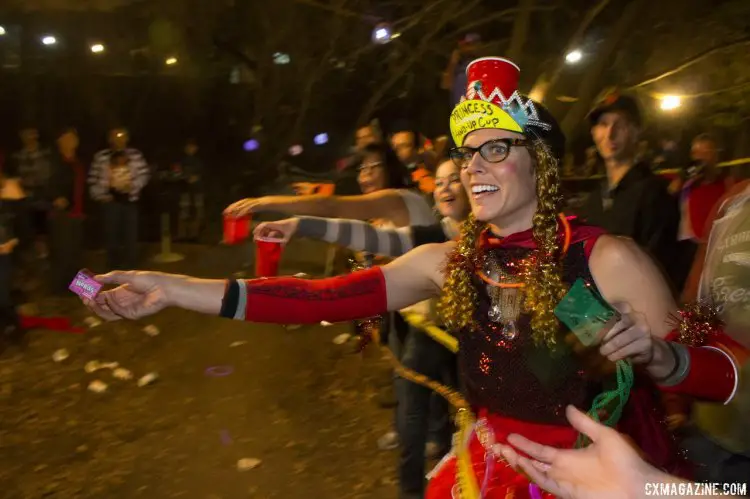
{"x":421,"y":415}
{"x":6,"y":270}
{"x":66,"y":249}
{"x":121,"y":235}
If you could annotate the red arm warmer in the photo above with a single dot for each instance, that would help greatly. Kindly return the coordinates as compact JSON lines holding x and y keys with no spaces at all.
{"x":288,"y":300}
{"x":711,"y":371}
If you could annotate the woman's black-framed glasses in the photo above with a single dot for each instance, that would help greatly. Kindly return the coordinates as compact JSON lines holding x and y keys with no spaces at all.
{"x":492,"y":151}
{"x":369,"y":167}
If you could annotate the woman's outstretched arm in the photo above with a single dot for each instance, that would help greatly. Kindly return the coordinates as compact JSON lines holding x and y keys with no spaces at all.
{"x":284,"y":300}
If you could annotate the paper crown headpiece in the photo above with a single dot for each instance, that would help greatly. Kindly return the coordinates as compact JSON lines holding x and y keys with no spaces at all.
{"x":492,"y":101}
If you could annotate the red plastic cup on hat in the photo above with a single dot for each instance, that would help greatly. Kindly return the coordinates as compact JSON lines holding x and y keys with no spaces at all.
{"x":236,"y":229}
{"x":493,"y":73}
{"x":267,"y":256}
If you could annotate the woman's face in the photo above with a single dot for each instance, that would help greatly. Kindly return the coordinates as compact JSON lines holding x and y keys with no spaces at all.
{"x":501,"y":193}
{"x":372,"y":175}
{"x":451,"y":199}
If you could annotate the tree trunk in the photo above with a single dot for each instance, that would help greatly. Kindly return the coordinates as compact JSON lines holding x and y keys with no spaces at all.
{"x":520,"y":30}
{"x":547,"y":80}
{"x":592,"y":78}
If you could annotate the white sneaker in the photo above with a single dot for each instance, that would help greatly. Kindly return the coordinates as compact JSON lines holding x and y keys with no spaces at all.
{"x":389,"y":441}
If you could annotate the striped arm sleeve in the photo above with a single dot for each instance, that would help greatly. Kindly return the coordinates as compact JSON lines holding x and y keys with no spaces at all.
{"x":357,"y":235}
{"x":141,"y":173}
{"x":98,"y":181}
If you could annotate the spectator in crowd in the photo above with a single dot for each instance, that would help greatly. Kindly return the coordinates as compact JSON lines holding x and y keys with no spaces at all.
{"x":704,"y":185}
{"x":632,"y":201}
{"x":454,"y":77}
{"x":117,"y":176}
{"x":421,"y":165}
{"x":67,"y":217}
{"x":190,"y":218}
{"x":667,"y":155}
{"x":346,"y":178}
{"x":718,"y":436}
{"x":10,"y":195}
{"x":32,"y":166}
{"x":367,"y":135}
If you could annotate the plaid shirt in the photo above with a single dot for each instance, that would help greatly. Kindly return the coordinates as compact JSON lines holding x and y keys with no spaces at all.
{"x":99,"y":175}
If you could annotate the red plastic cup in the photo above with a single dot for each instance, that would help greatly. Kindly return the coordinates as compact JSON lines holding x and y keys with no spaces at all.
{"x":236,"y":229}
{"x":267,"y":256}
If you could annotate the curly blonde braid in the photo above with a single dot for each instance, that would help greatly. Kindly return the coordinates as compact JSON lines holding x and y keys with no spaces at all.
{"x":459,"y":296}
{"x":544,"y":285}
{"x":543,"y":288}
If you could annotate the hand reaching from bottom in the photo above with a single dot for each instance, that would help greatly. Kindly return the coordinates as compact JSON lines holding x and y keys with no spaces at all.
{"x":138,"y":295}
{"x":610,"y":467}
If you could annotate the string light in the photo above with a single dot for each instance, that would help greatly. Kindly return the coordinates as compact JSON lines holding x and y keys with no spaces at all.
{"x":573,"y":57}
{"x":49,"y":40}
{"x":670,"y":102}
{"x":281,"y":58}
{"x":382,"y":34}
{"x":97,"y":48}
{"x":320,"y":139}
{"x":2,"y":30}
{"x":171,"y":61}
{"x":251,"y":145}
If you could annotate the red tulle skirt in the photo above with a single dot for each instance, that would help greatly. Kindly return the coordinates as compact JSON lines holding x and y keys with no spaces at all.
{"x":642,"y":420}
{"x":497,"y":480}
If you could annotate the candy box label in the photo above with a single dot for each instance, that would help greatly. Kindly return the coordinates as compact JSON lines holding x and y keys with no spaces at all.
{"x":85,"y":286}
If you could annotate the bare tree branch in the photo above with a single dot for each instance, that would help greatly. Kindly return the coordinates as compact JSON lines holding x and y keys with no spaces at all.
{"x":415,"y":54}
{"x":333,"y":8}
{"x":315,"y":75}
{"x":592,"y":78}
{"x":733,"y":88}
{"x":545,"y":83}
{"x":692,"y":61}
{"x":506,"y":14}
{"x":520,"y":30}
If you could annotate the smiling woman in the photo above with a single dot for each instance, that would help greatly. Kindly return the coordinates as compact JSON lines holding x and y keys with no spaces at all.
{"x":515,"y":259}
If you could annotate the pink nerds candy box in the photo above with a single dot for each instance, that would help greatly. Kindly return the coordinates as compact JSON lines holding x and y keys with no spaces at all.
{"x":84,"y":285}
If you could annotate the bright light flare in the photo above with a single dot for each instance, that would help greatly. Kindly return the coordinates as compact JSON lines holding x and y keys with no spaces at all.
{"x":382,"y":34}
{"x":2,"y":31}
{"x":574,"y":57}
{"x":49,"y":40}
{"x":670,"y":102}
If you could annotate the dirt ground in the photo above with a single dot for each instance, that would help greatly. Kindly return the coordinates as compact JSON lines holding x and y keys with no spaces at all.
{"x":302,"y":405}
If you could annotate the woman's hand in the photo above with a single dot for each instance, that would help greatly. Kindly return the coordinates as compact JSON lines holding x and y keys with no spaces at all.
{"x":248,"y":206}
{"x":609,"y":467}
{"x":630,"y":338}
{"x":138,"y":295}
{"x":281,"y":229}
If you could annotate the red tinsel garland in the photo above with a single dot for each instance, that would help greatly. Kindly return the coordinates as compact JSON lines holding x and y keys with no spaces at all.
{"x":696,"y":323}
